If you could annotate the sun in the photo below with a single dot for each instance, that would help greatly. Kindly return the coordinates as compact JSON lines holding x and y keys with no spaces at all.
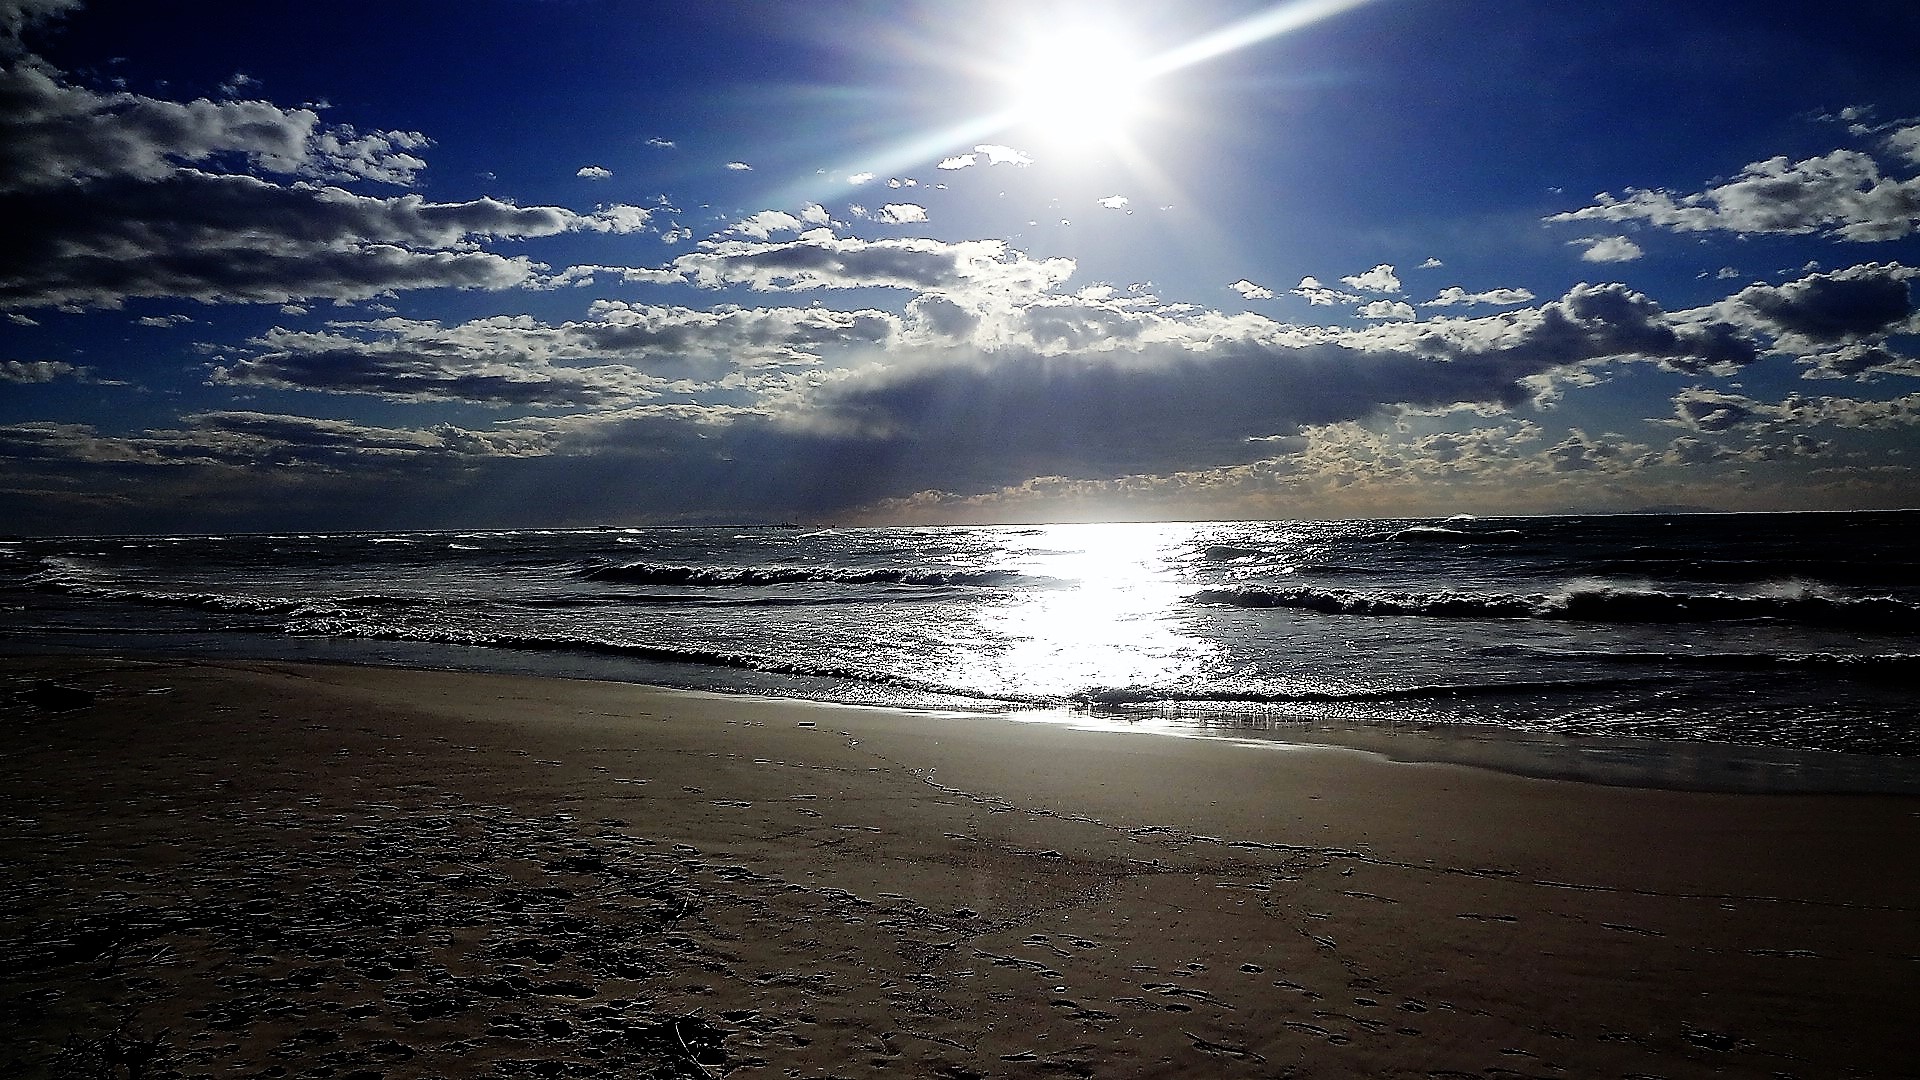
{"x":1077,"y":81}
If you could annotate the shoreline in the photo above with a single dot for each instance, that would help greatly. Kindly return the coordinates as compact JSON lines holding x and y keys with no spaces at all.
{"x":1613,"y":761}
{"x":393,"y":872}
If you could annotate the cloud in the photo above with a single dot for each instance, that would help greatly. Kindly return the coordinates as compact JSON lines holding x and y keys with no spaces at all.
{"x":1859,"y":305}
{"x":1841,"y":195}
{"x":819,"y":260}
{"x":1251,"y":291}
{"x":58,"y":134}
{"x":764,"y":224}
{"x":1712,"y":411}
{"x":900,"y":214}
{"x":1319,"y":295}
{"x":594,"y":172}
{"x":213,"y":238}
{"x":1380,"y":279}
{"x":1114,"y":202}
{"x":1858,"y":360}
{"x":39,"y":371}
{"x":245,"y":441}
{"x":739,"y":166}
{"x":1432,"y":264}
{"x":1455,"y":295}
{"x":958,"y":161}
{"x":163,"y":320}
{"x":17,"y":15}
{"x":1387,"y":309}
{"x":996,"y":154}
{"x":113,"y":196}
{"x":1609,"y":249}
{"x":1905,"y":142}
{"x":1590,"y":323}
{"x":1097,"y":390}
{"x":661,"y":144}
{"x":1841,"y":412}
{"x":860,"y":178}
{"x":625,"y":353}
{"x":1167,"y":391}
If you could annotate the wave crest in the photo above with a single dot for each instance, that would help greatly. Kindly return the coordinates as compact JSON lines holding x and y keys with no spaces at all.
{"x":643,"y":573}
{"x":1610,"y":604}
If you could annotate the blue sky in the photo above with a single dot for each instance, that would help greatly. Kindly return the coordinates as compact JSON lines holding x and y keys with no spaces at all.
{"x":566,"y":262}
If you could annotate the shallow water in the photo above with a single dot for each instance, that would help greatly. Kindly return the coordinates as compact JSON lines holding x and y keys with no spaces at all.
{"x":1784,"y":630}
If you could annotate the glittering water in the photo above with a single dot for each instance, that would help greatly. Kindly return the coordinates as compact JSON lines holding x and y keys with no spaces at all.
{"x":1788,"y":630}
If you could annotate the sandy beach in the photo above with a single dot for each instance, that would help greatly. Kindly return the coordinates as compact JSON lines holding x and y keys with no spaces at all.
{"x":250,"y":869}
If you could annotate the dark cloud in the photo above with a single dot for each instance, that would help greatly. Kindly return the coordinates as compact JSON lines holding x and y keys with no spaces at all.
{"x":1862,"y":301}
{"x":1590,"y":323}
{"x":17,"y":15}
{"x":113,"y":195}
{"x":218,"y":238}
{"x":1711,"y":410}
{"x":997,"y":418}
{"x":628,"y":352}
{"x":405,"y":375}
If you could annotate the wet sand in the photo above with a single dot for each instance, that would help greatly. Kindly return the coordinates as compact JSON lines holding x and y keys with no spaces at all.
{"x":233,"y":869}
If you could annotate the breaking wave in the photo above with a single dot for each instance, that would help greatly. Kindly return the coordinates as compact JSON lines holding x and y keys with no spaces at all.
{"x":642,"y":573}
{"x":1608,"y":604}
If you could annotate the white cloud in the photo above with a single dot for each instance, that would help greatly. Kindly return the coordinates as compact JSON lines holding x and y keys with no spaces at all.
{"x":57,"y":133}
{"x":1432,"y":264}
{"x":1905,"y":142}
{"x":764,"y":224}
{"x":1114,"y":202}
{"x":1608,"y":249}
{"x":901,"y":214}
{"x":594,"y":172}
{"x":820,"y":260}
{"x":739,"y":166}
{"x":163,"y":320}
{"x":1386,"y":309}
{"x":1841,"y":194}
{"x":997,"y":154}
{"x":958,"y":161}
{"x":38,"y":371}
{"x":1251,"y":291}
{"x":661,"y":144}
{"x":1455,"y":295}
{"x":1319,"y":295}
{"x":1380,"y":279}
{"x":860,"y":178}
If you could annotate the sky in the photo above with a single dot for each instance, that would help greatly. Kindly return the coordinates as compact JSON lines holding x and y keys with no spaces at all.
{"x":554,"y":263}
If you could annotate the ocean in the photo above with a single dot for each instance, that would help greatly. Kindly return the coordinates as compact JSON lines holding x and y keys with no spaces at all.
{"x":1799,"y":632}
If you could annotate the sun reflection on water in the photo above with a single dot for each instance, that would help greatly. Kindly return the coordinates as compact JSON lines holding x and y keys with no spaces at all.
{"x":1108,"y":621}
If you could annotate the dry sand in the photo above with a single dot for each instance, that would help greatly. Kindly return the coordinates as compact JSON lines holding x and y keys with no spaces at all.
{"x":228,"y":869}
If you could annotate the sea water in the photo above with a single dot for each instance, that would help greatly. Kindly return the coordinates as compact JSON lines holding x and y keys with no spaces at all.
{"x":1784,"y":630}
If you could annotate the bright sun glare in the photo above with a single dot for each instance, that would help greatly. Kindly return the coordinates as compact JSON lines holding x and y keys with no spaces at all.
{"x":1078,"y":82}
